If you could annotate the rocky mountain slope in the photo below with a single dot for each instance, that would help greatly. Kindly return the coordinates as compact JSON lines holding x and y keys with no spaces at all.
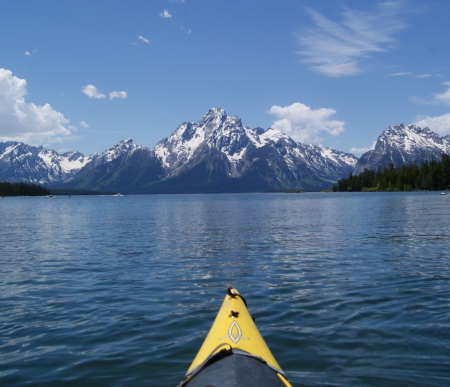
{"x":22,"y":162}
{"x":219,"y":154}
{"x":404,"y":144}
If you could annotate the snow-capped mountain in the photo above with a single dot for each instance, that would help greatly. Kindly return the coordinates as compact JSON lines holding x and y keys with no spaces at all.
{"x":219,"y":154}
{"x":404,"y":144}
{"x":278,"y":161}
{"x":22,"y":162}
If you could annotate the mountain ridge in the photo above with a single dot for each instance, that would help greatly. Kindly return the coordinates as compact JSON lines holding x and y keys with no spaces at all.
{"x":215,"y":154}
{"x":23,"y":162}
{"x":219,"y":154}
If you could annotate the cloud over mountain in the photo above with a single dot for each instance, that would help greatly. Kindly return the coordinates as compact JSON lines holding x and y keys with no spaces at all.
{"x":304,"y":124}
{"x":25,"y":121}
{"x":440,"y":124}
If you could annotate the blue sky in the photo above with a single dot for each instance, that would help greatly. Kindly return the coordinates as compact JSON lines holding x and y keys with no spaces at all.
{"x":84,"y":75}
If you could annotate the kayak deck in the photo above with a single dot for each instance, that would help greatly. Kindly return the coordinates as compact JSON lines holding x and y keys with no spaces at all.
{"x":234,"y":352}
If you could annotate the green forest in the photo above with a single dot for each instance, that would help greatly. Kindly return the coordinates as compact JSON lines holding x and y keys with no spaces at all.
{"x":22,"y":189}
{"x":430,"y":175}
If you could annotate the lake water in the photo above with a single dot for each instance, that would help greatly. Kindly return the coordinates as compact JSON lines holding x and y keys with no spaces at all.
{"x":347,"y":289}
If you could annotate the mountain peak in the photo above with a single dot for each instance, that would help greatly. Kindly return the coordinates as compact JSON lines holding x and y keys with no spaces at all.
{"x":403,"y":128}
{"x":404,"y":144}
{"x":127,"y":142}
{"x":216,"y":112}
{"x":117,"y":150}
{"x":221,"y":144}
{"x":213,"y":117}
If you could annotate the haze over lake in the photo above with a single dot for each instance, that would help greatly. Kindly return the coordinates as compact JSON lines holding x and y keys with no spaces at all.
{"x":347,"y":289}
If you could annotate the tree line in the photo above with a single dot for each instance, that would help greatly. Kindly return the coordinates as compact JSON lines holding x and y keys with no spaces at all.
{"x":430,"y":175}
{"x":22,"y":189}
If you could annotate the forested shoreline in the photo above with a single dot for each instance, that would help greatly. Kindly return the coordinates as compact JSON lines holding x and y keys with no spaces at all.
{"x":22,"y":189}
{"x":432,"y":176}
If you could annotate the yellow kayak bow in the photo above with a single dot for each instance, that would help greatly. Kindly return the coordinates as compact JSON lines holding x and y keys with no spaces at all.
{"x":234,"y":352}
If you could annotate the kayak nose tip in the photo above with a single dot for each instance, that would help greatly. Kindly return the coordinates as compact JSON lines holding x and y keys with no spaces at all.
{"x":232,"y":292}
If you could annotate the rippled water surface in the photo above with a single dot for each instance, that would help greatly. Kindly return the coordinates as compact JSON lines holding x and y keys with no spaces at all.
{"x":347,"y":289}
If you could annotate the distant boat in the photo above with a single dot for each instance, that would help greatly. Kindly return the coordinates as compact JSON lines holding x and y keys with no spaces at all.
{"x":48,"y":196}
{"x":442,"y":193}
{"x":118,"y":194}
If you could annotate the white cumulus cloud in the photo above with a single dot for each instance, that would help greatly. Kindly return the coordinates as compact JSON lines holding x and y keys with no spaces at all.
{"x":304,"y":124}
{"x":337,"y":48}
{"x":25,"y":121}
{"x":165,"y":14}
{"x":440,"y":124}
{"x":84,"y":124}
{"x":117,"y":94}
{"x":92,"y":92}
{"x":145,"y":40}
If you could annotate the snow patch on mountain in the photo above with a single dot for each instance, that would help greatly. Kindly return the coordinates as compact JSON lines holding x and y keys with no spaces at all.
{"x":338,"y":157}
{"x":272,"y":135}
{"x":65,"y":162}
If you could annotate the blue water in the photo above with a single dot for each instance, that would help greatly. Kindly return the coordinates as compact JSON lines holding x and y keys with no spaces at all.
{"x":347,"y":289}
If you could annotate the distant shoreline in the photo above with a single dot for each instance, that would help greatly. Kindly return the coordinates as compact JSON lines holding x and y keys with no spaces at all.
{"x":74,"y":192}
